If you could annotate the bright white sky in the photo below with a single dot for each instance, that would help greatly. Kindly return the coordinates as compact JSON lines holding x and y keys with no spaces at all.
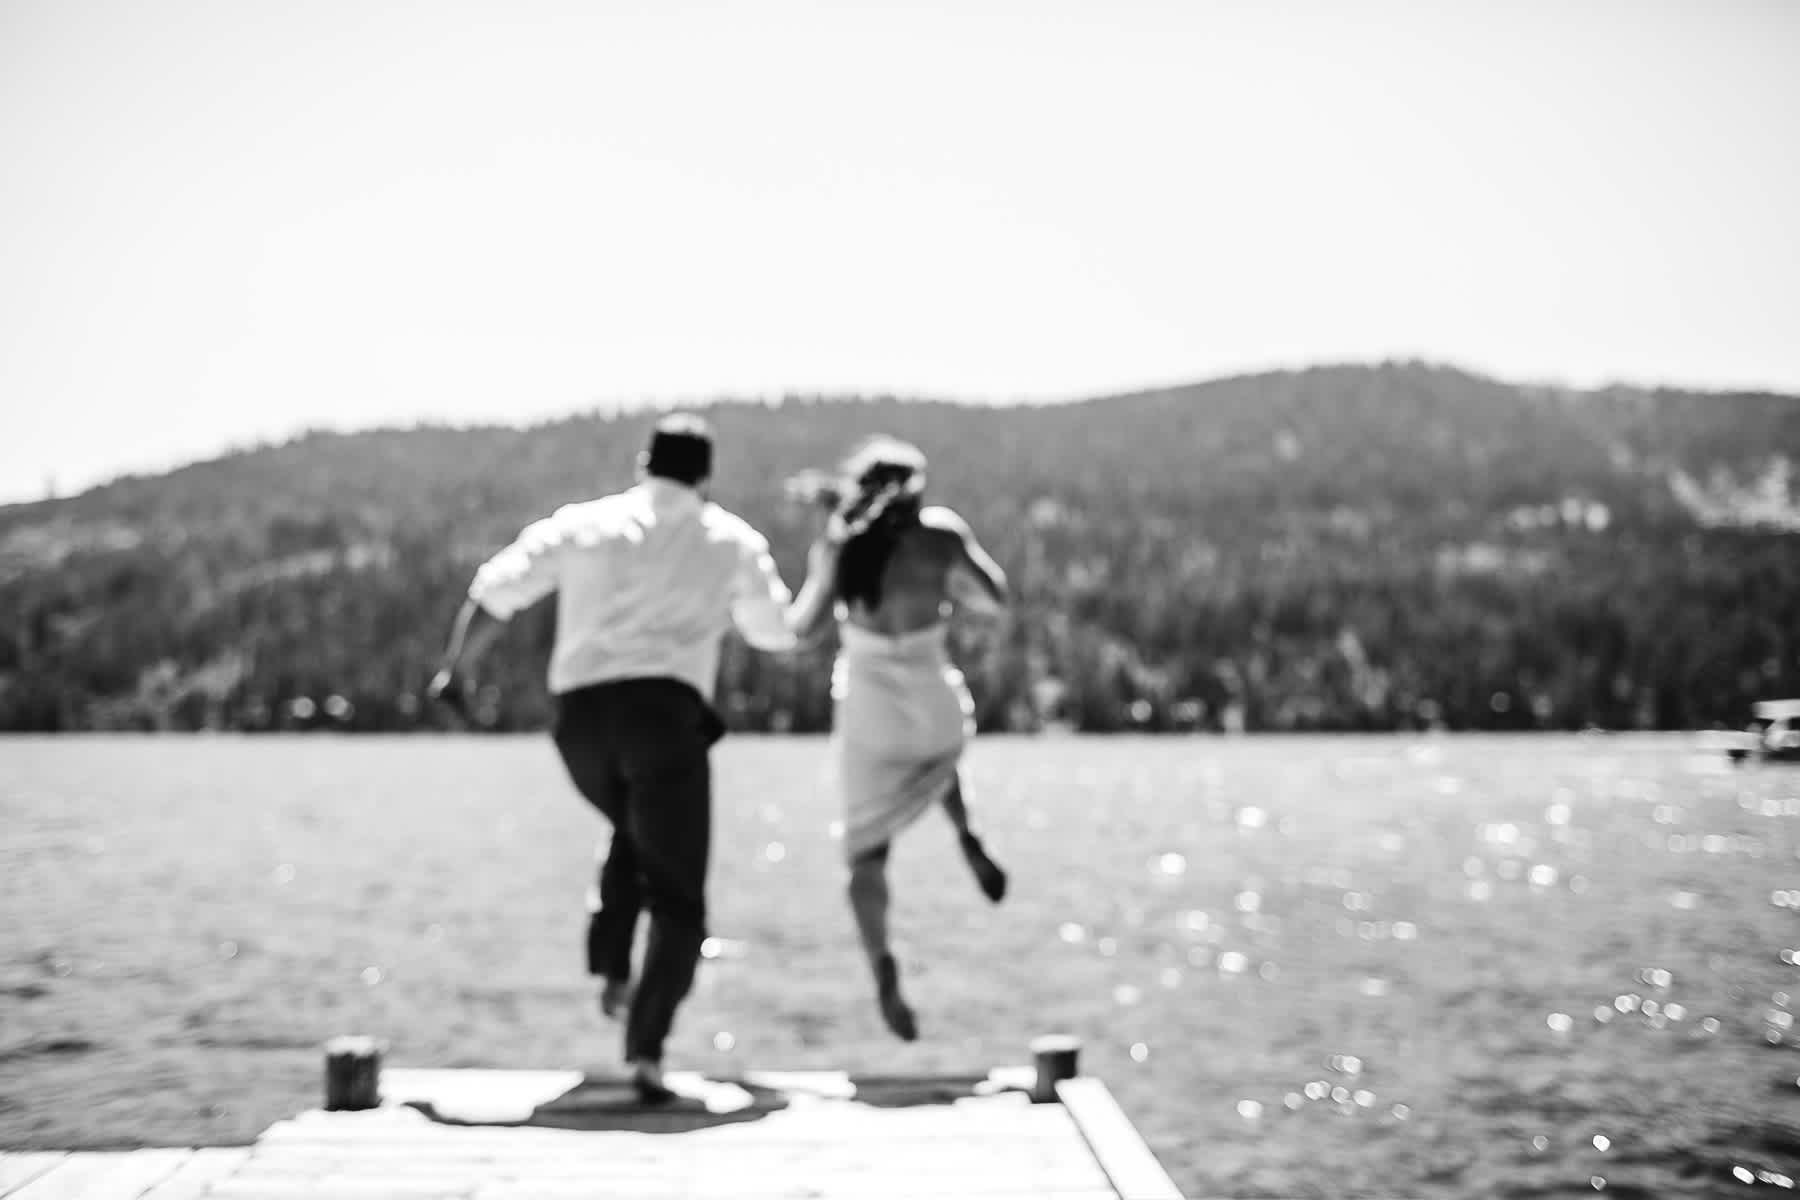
{"x":228,"y":220}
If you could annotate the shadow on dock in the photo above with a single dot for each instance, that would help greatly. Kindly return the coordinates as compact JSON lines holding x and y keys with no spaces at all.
{"x":570,"y":1100}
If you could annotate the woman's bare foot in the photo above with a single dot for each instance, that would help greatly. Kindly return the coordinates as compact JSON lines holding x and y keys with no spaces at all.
{"x":894,"y":1011}
{"x":987,"y":872}
{"x":615,"y":998}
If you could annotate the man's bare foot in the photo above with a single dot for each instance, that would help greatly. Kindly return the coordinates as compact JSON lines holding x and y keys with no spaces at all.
{"x":615,"y":998}
{"x":647,"y":1082}
{"x":894,"y":1011}
{"x":987,"y":872}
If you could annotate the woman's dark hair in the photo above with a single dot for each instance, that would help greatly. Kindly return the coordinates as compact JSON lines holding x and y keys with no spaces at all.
{"x":887,"y":479}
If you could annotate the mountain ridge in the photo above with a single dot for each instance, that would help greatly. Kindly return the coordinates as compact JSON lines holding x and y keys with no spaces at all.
{"x":1375,"y":546}
{"x":1612,"y":392}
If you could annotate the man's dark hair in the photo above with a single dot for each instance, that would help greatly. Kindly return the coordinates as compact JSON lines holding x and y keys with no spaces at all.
{"x":680,"y":449}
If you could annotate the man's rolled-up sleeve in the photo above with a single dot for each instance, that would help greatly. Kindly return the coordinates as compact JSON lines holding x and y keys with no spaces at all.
{"x":522,"y":574}
{"x":760,"y":601}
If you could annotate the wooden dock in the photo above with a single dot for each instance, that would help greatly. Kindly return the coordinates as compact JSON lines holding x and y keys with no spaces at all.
{"x":549,"y":1135}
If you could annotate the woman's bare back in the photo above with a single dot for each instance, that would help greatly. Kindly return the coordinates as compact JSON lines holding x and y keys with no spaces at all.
{"x":917,"y":579}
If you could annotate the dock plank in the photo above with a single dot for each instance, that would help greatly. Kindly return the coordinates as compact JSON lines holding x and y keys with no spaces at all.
{"x":100,"y":1173}
{"x":496,"y":1135}
{"x":1133,"y":1170}
{"x":202,"y":1169}
{"x":104,"y":1175}
{"x":20,"y":1167}
{"x":70,"y":1177}
{"x":139,"y":1171}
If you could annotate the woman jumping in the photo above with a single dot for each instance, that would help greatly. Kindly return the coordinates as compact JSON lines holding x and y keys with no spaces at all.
{"x":893,"y":570}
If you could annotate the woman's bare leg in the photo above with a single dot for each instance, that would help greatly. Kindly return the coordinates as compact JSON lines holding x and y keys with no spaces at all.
{"x":869,"y":904}
{"x":987,"y":872}
{"x":869,"y":901}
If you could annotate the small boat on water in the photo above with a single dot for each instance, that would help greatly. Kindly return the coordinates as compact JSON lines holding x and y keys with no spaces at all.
{"x":1773,"y":734}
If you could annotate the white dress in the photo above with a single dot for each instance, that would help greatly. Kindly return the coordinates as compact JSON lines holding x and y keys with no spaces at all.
{"x":901,"y":715}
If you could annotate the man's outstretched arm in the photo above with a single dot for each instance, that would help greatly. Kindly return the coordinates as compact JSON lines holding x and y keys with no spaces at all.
{"x":511,"y":581}
{"x":475,"y":631}
{"x":810,"y":613}
{"x":767,"y":614}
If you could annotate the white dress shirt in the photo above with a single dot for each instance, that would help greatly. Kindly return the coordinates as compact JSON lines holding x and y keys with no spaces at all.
{"x":650,"y":579}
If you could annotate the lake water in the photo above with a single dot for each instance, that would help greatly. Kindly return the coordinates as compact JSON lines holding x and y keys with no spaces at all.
{"x":1382,"y":966}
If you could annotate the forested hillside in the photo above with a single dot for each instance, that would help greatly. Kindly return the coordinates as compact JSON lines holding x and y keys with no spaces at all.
{"x":1338,"y":548}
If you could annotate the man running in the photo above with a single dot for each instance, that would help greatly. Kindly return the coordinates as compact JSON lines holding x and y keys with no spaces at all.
{"x":648,"y":580}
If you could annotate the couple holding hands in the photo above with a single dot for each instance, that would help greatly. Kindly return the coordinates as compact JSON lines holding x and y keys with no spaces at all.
{"x":648,"y":580}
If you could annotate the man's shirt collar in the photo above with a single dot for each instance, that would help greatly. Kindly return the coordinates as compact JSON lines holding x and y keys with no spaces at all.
{"x":667,"y":496}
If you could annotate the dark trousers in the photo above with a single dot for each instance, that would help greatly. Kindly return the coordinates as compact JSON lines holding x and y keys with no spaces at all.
{"x":637,"y":750}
